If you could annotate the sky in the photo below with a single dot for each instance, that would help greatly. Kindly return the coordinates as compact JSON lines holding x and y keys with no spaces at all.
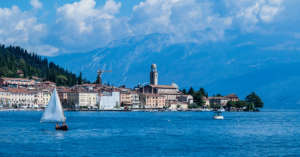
{"x":52,"y":28}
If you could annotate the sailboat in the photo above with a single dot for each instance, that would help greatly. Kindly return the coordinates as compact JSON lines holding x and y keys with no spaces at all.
{"x":54,"y":112}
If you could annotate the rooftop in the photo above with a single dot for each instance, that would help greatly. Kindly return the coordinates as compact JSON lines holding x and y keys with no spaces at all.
{"x":162,"y":86}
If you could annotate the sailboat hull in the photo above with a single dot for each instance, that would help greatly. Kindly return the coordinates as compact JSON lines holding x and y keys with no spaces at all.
{"x":61,"y":128}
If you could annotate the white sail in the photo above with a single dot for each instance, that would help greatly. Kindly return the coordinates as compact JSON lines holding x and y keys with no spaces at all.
{"x":53,"y":112}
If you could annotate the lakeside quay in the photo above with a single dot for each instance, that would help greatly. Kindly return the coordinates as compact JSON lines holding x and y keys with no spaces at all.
{"x":122,"y":110}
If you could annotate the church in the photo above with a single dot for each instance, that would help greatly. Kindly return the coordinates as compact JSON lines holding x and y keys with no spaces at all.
{"x":170,"y":92}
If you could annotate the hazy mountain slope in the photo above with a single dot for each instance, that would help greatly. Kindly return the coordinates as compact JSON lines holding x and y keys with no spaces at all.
{"x":231,"y":66}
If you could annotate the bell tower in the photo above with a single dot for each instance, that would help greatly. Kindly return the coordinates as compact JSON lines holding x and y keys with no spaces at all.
{"x":153,"y":75}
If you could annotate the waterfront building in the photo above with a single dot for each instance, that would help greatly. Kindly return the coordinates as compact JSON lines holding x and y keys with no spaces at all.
{"x":4,"y":97}
{"x":46,"y":97}
{"x":135,"y":99}
{"x":38,"y":97}
{"x":125,"y":96}
{"x":218,"y":101}
{"x":232,"y":97}
{"x":178,"y":105}
{"x":16,"y":82}
{"x":186,"y":98}
{"x":150,"y":100}
{"x":110,"y":98}
{"x":206,"y":100}
{"x":170,"y":92}
{"x":83,"y":98}
{"x":63,"y":95}
{"x":22,"y":98}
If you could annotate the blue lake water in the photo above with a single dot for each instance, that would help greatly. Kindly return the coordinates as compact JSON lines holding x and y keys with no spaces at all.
{"x":266,"y":133}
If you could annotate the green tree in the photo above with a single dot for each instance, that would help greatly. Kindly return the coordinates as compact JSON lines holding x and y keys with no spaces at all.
{"x":184,"y":91}
{"x":62,"y":79}
{"x":198,"y":98}
{"x":193,"y":105}
{"x":191,"y":91}
{"x":80,"y":79}
{"x":250,"y":106}
{"x":231,"y":103}
{"x":202,"y":91}
{"x":255,"y":99}
{"x":219,"y":95}
{"x":240,"y":104}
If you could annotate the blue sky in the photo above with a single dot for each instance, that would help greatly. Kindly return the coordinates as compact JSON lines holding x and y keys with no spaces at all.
{"x":52,"y":28}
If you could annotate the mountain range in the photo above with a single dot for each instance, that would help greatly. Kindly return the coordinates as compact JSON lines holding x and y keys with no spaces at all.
{"x":251,"y":63}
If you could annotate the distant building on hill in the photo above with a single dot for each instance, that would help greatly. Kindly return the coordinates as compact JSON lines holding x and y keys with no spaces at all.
{"x":16,"y":82}
{"x":20,"y":72}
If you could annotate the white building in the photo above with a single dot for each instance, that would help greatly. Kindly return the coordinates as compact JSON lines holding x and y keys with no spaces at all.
{"x":109,"y":99}
{"x":21,"y":98}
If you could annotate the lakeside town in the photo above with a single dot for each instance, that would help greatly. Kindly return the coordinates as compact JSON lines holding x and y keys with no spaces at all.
{"x":32,"y":94}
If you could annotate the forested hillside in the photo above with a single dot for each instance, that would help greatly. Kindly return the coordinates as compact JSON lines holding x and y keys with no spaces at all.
{"x":16,"y":58}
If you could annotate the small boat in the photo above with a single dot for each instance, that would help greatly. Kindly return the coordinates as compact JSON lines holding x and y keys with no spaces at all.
{"x":61,"y":127}
{"x":217,"y":115}
{"x":206,"y":110}
{"x":54,"y":112}
{"x":221,"y":109}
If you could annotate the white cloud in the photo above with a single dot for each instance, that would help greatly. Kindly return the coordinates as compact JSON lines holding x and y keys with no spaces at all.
{"x":36,"y":4}
{"x":267,"y":13}
{"x":285,"y":46}
{"x":82,"y":24}
{"x":23,"y":29}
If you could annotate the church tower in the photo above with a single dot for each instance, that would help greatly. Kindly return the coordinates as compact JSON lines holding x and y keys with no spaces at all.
{"x":153,"y":75}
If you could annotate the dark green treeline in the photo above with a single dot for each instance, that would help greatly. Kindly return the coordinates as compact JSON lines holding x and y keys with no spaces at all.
{"x":16,"y":58}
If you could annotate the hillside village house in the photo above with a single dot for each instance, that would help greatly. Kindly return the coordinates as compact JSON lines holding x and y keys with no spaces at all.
{"x":21,"y":98}
{"x":20,"y":72}
{"x":16,"y":82}
{"x":152,"y":100}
